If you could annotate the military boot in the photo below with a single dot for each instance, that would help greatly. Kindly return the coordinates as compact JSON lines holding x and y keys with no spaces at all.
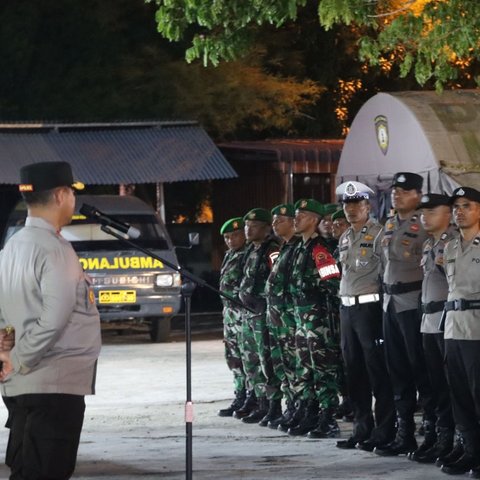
{"x":285,"y":417}
{"x":249,"y":404}
{"x":469,"y":460}
{"x":327,"y":427}
{"x":430,"y":437}
{"x":259,"y":412}
{"x":308,"y":422}
{"x":404,"y":442}
{"x":455,"y":453}
{"x":440,"y":448}
{"x":295,"y":418}
{"x":237,"y":403}
{"x":274,"y":412}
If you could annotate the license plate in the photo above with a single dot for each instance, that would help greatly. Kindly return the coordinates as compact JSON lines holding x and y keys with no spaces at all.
{"x":117,"y":296}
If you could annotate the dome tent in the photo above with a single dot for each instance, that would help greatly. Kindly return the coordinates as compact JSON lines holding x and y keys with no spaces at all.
{"x":434,"y":135}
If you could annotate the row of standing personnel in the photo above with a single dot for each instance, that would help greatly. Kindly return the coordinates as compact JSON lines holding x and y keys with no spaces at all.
{"x":398,"y":282}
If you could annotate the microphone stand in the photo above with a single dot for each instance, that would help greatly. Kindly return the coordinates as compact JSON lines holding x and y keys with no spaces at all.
{"x":187,"y":292}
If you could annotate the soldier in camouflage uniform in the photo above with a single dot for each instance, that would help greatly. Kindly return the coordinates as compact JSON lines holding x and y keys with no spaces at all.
{"x":230,"y":277}
{"x":257,"y":362}
{"x":281,"y":318}
{"x":313,"y":267}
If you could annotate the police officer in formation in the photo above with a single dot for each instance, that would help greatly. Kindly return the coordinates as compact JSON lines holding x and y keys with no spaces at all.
{"x":361,"y":323}
{"x":231,"y":273}
{"x":462,"y":328}
{"x":436,"y":220}
{"x":427,"y":272}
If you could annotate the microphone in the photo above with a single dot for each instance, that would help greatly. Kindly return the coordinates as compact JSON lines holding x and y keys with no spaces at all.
{"x":104,"y":219}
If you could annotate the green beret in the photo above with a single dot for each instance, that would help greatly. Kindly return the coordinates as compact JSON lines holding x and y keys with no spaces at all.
{"x":309,"y":205}
{"x":285,"y":209}
{"x":259,"y":214}
{"x":338,"y":214}
{"x":330,"y":208}
{"x":232,"y":225}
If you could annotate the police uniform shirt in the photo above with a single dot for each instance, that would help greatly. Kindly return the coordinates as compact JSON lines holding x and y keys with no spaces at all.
{"x":46,"y":297}
{"x":359,"y":255}
{"x":463,"y":275}
{"x":435,"y":285}
{"x":402,"y":247}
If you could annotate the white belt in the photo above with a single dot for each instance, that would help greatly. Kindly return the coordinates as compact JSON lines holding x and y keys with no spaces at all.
{"x":358,"y":299}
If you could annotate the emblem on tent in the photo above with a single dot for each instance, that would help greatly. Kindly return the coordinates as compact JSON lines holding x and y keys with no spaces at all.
{"x":381,"y":130}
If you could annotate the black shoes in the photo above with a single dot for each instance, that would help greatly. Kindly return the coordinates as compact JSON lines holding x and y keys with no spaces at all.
{"x":258,"y":413}
{"x":440,"y":449}
{"x":237,"y":403}
{"x":286,"y":416}
{"x":248,"y":406}
{"x":294,"y":419}
{"x":404,"y":442}
{"x":327,"y":427}
{"x":348,"y":444}
{"x":308,"y":422}
{"x":463,"y":465}
{"x":274,"y":413}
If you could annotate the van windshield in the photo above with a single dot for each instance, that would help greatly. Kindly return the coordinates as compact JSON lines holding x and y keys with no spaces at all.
{"x":87,"y":236}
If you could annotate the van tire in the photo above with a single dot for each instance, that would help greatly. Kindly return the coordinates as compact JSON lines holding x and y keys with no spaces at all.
{"x":160,"y":329}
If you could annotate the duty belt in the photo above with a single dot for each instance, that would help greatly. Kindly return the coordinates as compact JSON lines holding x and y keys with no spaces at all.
{"x":398,"y":288}
{"x":359,"y":299}
{"x":433,"y":307}
{"x":462,"y":304}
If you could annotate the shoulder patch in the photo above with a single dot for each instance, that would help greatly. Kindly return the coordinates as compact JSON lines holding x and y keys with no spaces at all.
{"x":325,"y":263}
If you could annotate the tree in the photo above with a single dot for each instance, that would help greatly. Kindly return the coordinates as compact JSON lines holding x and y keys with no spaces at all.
{"x":437,"y":40}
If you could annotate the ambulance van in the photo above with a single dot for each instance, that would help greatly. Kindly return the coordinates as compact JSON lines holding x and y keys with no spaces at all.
{"x":128,"y":284}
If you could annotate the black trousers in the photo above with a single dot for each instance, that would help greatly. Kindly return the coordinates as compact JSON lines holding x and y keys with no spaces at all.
{"x":406,"y":364}
{"x":366,"y":372}
{"x":44,"y":435}
{"x":434,"y":350}
{"x":463,"y":367}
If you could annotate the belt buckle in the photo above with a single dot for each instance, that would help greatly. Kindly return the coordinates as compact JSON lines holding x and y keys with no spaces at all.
{"x":460,"y":304}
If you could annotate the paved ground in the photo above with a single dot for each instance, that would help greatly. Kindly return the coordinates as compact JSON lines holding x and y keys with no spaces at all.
{"x":134,"y":426}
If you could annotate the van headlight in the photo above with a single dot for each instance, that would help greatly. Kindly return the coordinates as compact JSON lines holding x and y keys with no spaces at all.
{"x":168,"y":280}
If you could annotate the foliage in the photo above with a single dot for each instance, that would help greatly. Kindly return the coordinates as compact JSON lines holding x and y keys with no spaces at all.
{"x":436,"y":40}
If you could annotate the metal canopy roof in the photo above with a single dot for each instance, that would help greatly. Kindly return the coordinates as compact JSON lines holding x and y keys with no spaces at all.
{"x":106,"y":154}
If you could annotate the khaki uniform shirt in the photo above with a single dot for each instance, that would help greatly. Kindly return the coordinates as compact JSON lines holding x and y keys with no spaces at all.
{"x":46,"y":297}
{"x":463,"y":275}
{"x":435,"y":285}
{"x":359,"y":255}
{"x":402,"y":244}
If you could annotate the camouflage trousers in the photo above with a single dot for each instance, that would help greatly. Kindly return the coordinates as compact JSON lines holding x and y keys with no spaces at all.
{"x":232,"y":329}
{"x":256,"y":355}
{"x":318,"y":356}
{"x":281,"y":325}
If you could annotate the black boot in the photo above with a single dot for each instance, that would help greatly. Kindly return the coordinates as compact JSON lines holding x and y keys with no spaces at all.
{"x":296,"y":417}
{"x":345,"y":410}
{"x":454,"y":454}
{"x":327,"y":427}
{"x":469,"y":459}
{"x":404,"y":442}
{"x":430,"y":437}
{"x":237,"y":403}
{"x":441,"y":448}
{"x":286,"y":416}
{"x":308,"y":422}
{"x":247,"y":407}
{"x":257,"y":414}
{"x":274,"y":413}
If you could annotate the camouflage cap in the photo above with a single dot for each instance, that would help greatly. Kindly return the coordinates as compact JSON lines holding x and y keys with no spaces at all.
{"x":338,"y":214}
{"x":329,"y":208}
{"x":309,"y":205}
{"x":232,"y":225}
{"x":259,"y":214}
{"x":285,"y":209}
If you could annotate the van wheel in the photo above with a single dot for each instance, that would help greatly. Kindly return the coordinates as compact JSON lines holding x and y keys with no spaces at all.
{"x":160,"y":329}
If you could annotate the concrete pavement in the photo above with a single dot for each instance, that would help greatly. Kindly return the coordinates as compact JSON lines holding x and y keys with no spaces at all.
{"x":134,"y":426}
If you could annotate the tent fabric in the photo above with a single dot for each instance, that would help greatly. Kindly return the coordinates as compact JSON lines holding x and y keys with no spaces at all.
{"x":108,"y":154}
{"x":435,"y":135}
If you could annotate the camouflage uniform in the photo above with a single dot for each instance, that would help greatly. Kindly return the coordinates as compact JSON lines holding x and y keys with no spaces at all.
{"x":281,"y":322}
{"x":313,"y":269}
{"x":256,"y":353}
{"x":230,"y":278}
